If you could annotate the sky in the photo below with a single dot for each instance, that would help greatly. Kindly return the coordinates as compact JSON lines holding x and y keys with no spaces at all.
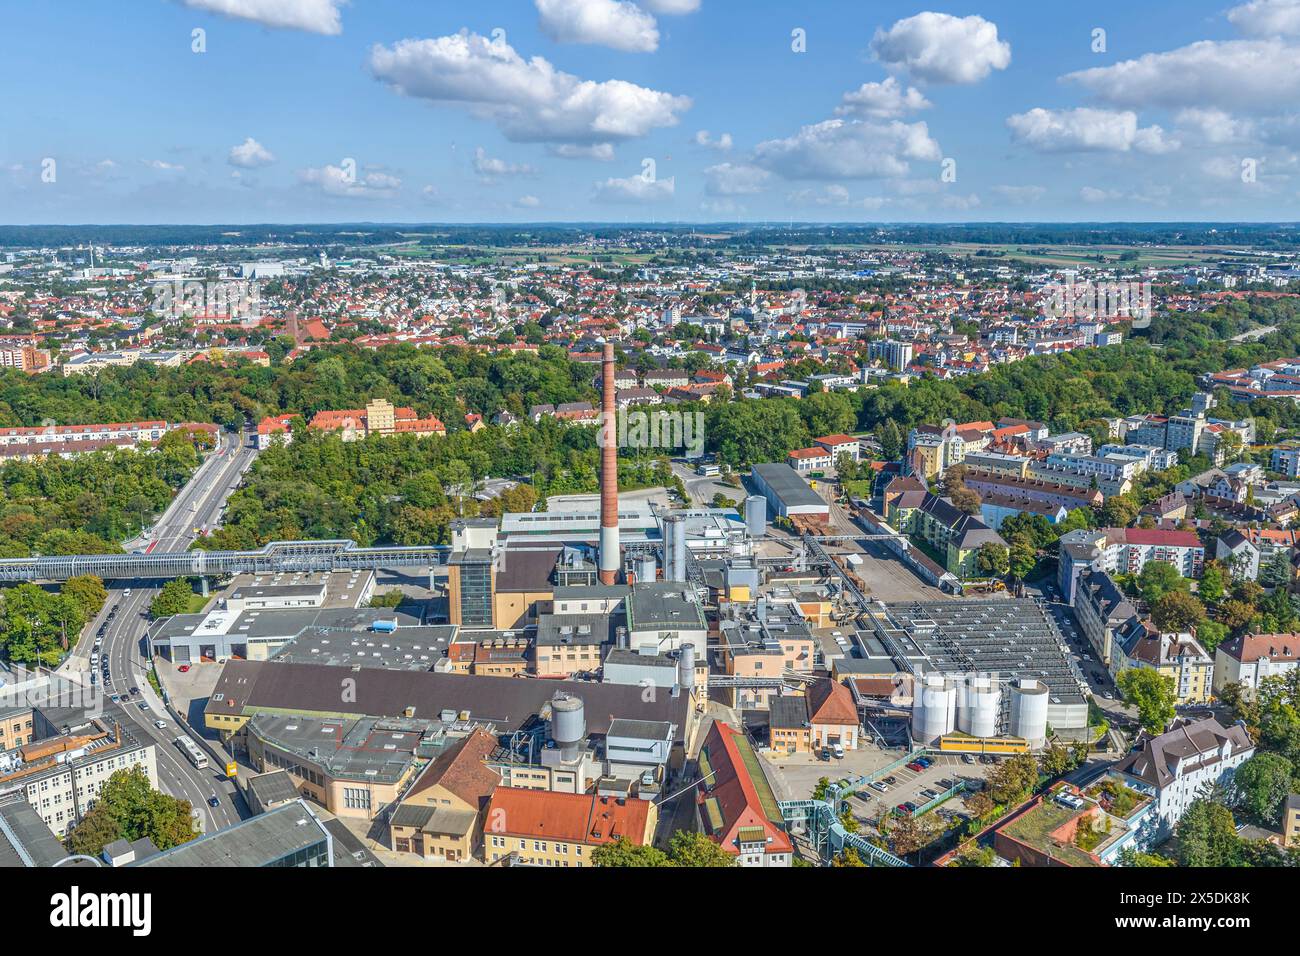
{"x":257,"y":111}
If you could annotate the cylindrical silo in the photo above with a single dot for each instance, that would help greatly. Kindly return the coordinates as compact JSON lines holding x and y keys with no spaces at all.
{"x":934,"y":709}
{"x":686,"y":666}
{"x":756,"y":516}
{"x":645,"y":568}
{"x":675,"y":548}
{"x":568,"y":724}
{"x":977,"y":714}
{"x":1029,"y":700}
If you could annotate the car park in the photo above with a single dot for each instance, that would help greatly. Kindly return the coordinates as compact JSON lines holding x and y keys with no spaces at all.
{"x":916,"y":766}
{"x":890,"y":780}
{"x":967,"y":758}
{"x":114,"y":698}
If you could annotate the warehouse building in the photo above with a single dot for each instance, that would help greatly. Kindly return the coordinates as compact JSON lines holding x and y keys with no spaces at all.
{"x":787,"y":494}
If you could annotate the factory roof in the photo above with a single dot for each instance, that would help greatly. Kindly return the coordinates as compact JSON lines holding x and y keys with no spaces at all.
{"x":248,"y":687}
{"x":663,"y":605}
{"x":257,"y":841}
{"x":786,"y":483}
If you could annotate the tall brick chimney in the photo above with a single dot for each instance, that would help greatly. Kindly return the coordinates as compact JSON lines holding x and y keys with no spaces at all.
{"x":609,"y":548}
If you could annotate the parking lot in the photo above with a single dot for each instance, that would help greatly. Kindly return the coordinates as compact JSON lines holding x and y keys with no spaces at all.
{"x":920,"y":787}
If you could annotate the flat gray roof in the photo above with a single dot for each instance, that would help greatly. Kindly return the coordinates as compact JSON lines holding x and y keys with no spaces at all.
{"x":257,"y":841}
{"x":787,"y":484}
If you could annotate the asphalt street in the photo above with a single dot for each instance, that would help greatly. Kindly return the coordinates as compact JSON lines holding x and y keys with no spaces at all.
{"x":197,"y":505}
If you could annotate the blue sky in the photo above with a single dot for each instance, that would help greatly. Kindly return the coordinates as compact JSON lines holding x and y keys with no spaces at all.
{"x":641,"y":110}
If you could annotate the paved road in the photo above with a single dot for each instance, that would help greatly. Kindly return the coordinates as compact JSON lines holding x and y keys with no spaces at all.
{"x":198,"y":504}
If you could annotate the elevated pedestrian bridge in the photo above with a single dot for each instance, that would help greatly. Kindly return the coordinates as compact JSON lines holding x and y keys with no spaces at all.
{"x":336,"y":555}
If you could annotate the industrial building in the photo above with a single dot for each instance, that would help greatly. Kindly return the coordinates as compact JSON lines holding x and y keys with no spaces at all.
{"x":787,"y":494}
{"x":983,"y":669}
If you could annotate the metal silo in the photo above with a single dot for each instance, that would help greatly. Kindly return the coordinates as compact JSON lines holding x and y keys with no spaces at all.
{"x":934,"y":709}
{"x":756,"y":516}
{"x":1029,"y":699}
{"x":978,"y":713}
{"x":645,"y":568}
{"x":686,"y":667}
{"x":674,"y":548}
{"x":568,"y":724}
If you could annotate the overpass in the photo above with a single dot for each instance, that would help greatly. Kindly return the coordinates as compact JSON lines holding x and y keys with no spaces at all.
{"x":335,"y":555}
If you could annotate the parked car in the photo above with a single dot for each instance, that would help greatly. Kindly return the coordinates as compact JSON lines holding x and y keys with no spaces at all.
{"x":915,"y":767}
{"x":183,"y":669}
{"x":890,"y":780}
{"x":967,"y":758}
{"x":925,"y":761}
{"x":878,"y":786}
{"x":824,"y":754}
{"x":904,"y":809}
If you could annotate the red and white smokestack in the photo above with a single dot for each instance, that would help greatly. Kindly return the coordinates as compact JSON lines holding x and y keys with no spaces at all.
{"x":609,"y":550}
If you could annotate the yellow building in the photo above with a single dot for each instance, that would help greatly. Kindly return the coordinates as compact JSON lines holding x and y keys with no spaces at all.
{"x":442,"y":814}
{"x":547,"y":828}
{"x":1179,"y":657}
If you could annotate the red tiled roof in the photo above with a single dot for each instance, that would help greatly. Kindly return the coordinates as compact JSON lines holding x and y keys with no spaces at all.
{"x":568,"y":817}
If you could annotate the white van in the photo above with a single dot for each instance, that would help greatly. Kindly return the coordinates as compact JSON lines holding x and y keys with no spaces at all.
{"x":838,"y":751}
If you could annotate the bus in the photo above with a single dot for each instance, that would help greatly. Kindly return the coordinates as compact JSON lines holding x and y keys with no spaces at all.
{"x":192,"y":751}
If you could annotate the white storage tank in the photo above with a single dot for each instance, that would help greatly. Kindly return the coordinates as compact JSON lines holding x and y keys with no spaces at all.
{"x":756,"y":516}
{"x":934,"y":708}
{"x":977,"y":714}
{"x":1029,"y":699}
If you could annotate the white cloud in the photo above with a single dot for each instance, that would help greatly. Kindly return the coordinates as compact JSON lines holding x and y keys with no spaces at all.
{"x":635,"y":189}
{"x":882,"y":100}
{"x":490,"y":168}
{"x":833,"y":195}
{"x":704,"y":138}
{"x":1146,"y":194}
{"x":735,"y":179}
{"x":527,"y":202}
{"x":941,"y":48}
{"x":1054,"y":131}
{"x":336,"y":181}
{"x":529,"y":100}
{"x":848,"y":149}
{"x":163,"y":165}
{"x":671,"y":7}
{"x":250,"y":154}
{"x":613,"y":23}
{"x":1267,"y":18}
{"x":313,"y":16}
{"x":1020,"y":194}
{"x":1212,"y":127}
{"x":601,"y":152}
{"x":1245,"y":75}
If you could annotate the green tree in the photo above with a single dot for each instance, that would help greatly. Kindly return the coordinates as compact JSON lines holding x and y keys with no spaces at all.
{"x":1177,"y":612}
{"x":1014,"y":779}
{"x":174,"y":598}
{"x":1131,"y":857}
{"x":687,"y":848}
{"x":88,"y":592}
{"x":1262,"y":784}
{"x":1212,"y":584}
{"x":1159,"y":578}
{"x":1022,"y":558}
{"x":1207,"y":835}
{"x":128,"y":808}
{"x":623,"y":852}
{"x":1153,"y":695}
{"x":992,"y":560}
